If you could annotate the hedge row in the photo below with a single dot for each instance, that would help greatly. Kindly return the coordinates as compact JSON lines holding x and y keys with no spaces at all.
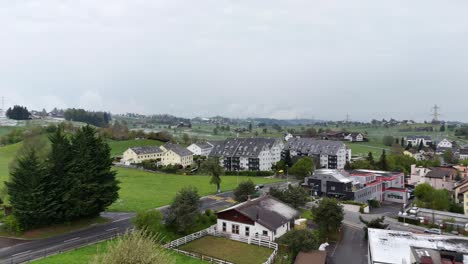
{"x":250,"y":173}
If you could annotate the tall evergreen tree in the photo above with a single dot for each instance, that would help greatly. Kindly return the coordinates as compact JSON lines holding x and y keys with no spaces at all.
{"x":370,"y":158}
{"x":59,"y":179}
{"x":383,"y":161}
{"x":402,"y":141}
{"x":27,"y":190}
{"x":96,"y":187}
{"x":421,"y":146}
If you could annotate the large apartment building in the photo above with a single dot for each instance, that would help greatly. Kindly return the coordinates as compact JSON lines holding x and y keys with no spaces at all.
{"x":328,"y":153}
{"x":253,"y":154}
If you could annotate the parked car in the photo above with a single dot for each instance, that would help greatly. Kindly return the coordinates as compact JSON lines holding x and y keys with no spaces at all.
{"x":433,"y":231}
{"x":414,"y":210}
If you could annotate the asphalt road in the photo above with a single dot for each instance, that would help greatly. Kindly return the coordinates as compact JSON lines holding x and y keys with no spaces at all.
{"x":120,"y":223}
{"x":352,"y":248}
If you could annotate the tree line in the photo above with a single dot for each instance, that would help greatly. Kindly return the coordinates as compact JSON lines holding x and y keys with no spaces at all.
{"x":73,"y":181}
{"x":99,"y":119}
{"x":18,"y":113}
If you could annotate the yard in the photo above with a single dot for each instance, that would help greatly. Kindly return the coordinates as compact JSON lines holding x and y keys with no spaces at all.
{"x":86,"y":254}
{"x":229,"y":250}
{"x":142,"y":190}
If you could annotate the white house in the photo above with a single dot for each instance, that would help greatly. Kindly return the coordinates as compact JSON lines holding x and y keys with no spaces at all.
{"x":201,"y":148}
{"x":463,"y":153}
{"x":254,"y":154}
{"x":288,"y":136}
{"x":416,"y":140}
{"x":354,"y":137}
{"x":445,"y":143}
{"x":264,"y":217}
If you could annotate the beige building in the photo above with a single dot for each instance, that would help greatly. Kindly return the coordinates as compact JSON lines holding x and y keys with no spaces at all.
{"x":437,"y":177}
{"x":169,"y":154}
{"x":461,"y":195}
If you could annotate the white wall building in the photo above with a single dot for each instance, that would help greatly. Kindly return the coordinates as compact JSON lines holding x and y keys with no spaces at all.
{"x":416,"y":140}
{"x":331,"y":154}
{"x":201,"y":148}
{"x":254,"y":154}
{"x":169,"y":154}
{"x":264,"y":217}
{"x":445,"y":143}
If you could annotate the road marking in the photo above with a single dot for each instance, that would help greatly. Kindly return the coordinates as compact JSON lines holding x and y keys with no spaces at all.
{"x":21,"y":253}
{"x":70,"y":240}
{"x":112,"y":229}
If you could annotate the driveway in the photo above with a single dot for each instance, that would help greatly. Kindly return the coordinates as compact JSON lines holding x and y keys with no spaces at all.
{"x":351,"y":249}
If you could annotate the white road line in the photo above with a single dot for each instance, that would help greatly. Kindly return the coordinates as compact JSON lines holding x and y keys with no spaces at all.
{"x":70,"y":240}
{"x":112,"y":229}
{"x":21,"y":253}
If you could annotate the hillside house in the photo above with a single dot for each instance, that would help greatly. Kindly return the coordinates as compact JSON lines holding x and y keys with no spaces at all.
{"x":201,"y":148}
{"x":460,"y":192}
{"x":416,"y":140}
{"x":264,"y":217}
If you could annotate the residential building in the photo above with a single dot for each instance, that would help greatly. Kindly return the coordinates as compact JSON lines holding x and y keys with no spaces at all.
{"x":398,"y":247}
{"x":425,"y":153}
{"x":328,"y":154}
{"x":264,"y":217}
{"x":460,"y":192}
{"x":358,"y":185}
{"x":254,"y":154}
{"x":445,"y":145}
{"x":462,"y":170}
{"x":354,"y":137}
{"x":176,"y":154}
{"x":201,"y":148}
{"x":463,"y":155}
{"x":437,"y":177}
{"x":416,"y":140}
{"x":168,"y":154}
{"x":343,"y":136}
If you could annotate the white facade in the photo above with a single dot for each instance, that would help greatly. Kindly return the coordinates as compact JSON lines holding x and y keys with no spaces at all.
{"x":252,"y":231}
{"x":288,"y":136}
{"x":445,"y":144}
{"x":166,"y":157}
{"x":417,"y":141}
{"x":197,"y":150}
{"x":359,"y":138}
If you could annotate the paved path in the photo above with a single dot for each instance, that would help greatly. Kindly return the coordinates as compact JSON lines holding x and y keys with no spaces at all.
{"x":121,"y":222}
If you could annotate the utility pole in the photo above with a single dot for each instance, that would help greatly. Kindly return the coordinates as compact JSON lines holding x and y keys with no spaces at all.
{"x":347,"y":118}
{"x":435,"y":113}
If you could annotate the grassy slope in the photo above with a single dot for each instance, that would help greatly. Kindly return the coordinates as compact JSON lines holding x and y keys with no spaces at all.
{"x":85,"y":255}
{"x":7,"y":154}
{"x":118,"y":147}
{"x":230,"y":250}
{"x":144,"y":190}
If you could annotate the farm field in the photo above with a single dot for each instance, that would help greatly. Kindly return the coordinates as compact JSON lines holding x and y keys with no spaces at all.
{"x":229,"y":250}
{"x":118,"y":147}
{"x":86,"y":255}
{"x":142,"y":190}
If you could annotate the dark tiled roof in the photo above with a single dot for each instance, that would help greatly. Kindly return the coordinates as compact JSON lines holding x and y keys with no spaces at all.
{"x":178,"y":149}
{"x":440,"y":173}
{"x":464,"y":151}
{"x":267,"y":211}
{"x":146,"y":150}
{"x":242,"y":147}
{"x":314,"y":146}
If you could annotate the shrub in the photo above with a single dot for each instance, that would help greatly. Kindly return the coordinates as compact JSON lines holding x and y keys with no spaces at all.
{"x":300,"y":240}
{"x":150,"y":221}
{"x":12,"y":225}
{"x":374,"y":203}
{"x":250,"y":173}
{"x":413,"y":221}
{"x":244,"y":190}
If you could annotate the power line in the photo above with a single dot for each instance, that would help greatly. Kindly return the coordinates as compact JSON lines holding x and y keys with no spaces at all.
{"x":435,"y":113}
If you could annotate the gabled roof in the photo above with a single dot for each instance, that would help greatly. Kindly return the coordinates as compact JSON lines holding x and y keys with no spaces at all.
{"x":146,"y":150}
{"x":178,"y":149}
{"x":267,"y":211}
{"x":242,"y":147}
{"x":203,"y":145}
{"x":440,"y":173}
{"x":315,"y":147}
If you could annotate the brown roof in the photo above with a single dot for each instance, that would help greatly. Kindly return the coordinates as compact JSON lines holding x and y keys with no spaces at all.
{"x":464,"y":189}
{"x":440,"y":172}
{"x":315,"y":257}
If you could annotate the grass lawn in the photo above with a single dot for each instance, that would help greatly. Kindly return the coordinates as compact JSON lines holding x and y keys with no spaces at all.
{"x":54,"y":230}
{"x":142,"y":190}
{"x":363,"y":149}
{"x":7,"y":154}
{"x":118,"y":147}
{"x":86,"y":254}
{"x":230,"y":250}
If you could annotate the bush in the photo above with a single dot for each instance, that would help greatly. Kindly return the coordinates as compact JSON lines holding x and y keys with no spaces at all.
{"x":244,"y":190}
{"x":250,"y":173}
{"x":300,"y":240}
{"x":413,"y":221}
{"x":150,"y":221}
{"x":374,"y":203}
{"x":11,"y":224}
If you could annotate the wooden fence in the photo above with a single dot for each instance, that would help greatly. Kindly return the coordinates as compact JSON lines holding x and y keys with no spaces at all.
{"x":213,"y":232}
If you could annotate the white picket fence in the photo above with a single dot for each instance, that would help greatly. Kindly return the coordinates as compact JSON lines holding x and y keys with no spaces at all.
{"x":213,"y":232}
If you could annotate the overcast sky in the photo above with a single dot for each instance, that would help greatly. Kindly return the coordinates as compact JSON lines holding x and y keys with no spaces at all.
{"x":240,"y":58}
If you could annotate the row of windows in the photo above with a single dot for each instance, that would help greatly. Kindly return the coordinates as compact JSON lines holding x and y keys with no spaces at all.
{"x":235,"y":229}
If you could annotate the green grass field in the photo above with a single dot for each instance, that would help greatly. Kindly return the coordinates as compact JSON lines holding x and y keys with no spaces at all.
{"x":142,"y":190}
{"x":86,"y":254}
{"x":362,"y":149}
{"x":7,"y":154}
{"x":118,"y":147}
{"x":230,"y":250}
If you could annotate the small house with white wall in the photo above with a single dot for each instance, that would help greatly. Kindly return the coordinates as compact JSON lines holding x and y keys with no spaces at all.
{"x":201,"y":148}
{"x":265,"y":217}
{"x":415,"y":141}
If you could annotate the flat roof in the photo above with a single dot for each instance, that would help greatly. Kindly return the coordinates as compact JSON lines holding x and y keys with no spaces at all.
{"x":390,"y":246}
